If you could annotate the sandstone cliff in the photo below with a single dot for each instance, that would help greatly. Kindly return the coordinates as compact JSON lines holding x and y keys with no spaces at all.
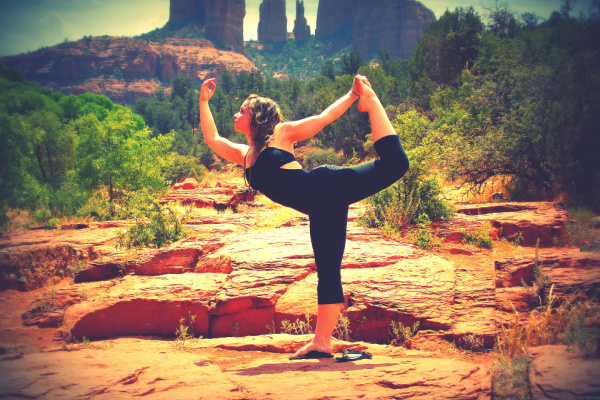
{"x":395,"y":25}
{"x":301,"y":28}
{"x":373,"y":25}
{"x":124,"y":69}
{"x":225,"y":22}
{"x":272,"y":26}
{"x":186,"y":11}
{"x":336,"y":17}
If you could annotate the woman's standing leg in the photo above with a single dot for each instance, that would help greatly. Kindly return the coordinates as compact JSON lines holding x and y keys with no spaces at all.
{"x":328,"y":238}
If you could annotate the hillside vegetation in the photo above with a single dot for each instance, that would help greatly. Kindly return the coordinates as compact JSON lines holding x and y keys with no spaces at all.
{"x":506,"y":99}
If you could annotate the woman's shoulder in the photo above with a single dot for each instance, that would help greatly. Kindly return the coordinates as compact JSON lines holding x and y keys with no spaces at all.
{"x":280,"y":139}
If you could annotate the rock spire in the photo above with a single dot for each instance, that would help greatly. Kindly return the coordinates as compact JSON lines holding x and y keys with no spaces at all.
{"x":186,"y":11}
{"x":301,"y":28}
{"x":272,"y":25}
{"x":223,"y":20}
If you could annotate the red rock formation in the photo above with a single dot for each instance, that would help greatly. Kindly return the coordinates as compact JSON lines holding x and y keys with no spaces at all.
{"x":124,"y":69}
{"x":373,"y":25}
{"x":225,"y":22}
{"x":557,"y":372}
{"x":250,"y":368}
{"x":395,"y":25}
{"x":336,"y":17}
{"x":301,"y":28}
{"x":186,"y":11}
{"x":528,"y":221}
{"x":272,"y":26}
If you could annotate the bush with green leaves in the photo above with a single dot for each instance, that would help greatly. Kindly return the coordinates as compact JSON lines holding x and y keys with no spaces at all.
{"x":405,"y":201}
{"x":480,"y":237}
{"x":155,"y":225}
{"x":318,"y":157}
{"x":178,"y":167}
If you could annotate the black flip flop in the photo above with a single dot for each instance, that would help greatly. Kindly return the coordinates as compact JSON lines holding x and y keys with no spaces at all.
{"x":353,"y":355}
{"x":311,"y":355}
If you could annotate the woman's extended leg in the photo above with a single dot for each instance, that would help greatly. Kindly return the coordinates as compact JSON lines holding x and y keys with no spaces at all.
{"x":380,"y":123}
{"x":338,"y":187}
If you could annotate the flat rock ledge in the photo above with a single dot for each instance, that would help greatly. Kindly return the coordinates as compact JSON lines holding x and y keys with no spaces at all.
{"x":559,"y":373}
{"x":154,"y":369}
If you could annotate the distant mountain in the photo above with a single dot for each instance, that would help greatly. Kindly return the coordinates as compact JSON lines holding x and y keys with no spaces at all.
{"x":124,"y":69}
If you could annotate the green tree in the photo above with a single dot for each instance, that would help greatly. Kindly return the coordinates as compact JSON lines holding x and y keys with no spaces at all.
{"x":180,"y":84}
{"x":328,"y":70}
{"x":352,"y":61}
{"x":450,"y":44}
{"x":116,"y":153}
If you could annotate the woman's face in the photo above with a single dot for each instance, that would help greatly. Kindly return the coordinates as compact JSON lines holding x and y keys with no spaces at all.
{"x":241,"y":120}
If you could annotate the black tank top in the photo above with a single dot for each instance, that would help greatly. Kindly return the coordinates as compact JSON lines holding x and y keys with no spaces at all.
{"x":284,"y":186}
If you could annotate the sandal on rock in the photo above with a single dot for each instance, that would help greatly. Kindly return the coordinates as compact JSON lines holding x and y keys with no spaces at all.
{"x":311,"y":355}
{"x":353,"y":355}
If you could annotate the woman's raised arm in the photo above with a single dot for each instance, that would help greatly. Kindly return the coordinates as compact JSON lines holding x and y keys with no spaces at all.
{"x":293,"y":131}
{"x":224,"y":148}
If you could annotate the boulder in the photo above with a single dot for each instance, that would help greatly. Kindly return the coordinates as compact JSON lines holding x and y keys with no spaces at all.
{"x":139,"y":305}
{"x":188,"y":184}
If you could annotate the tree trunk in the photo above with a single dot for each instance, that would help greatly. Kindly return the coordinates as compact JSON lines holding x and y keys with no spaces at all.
{"x":38,"y":153}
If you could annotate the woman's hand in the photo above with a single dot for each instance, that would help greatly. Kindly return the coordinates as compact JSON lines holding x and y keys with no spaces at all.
{"x":208,"y":89}
{"x":359,"y":82}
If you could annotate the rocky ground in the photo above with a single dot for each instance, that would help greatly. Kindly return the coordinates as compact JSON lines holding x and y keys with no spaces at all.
{"x":239,"y":276}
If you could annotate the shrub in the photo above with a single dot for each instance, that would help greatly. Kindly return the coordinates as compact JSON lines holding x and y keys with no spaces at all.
{"x":297,"y":328}
{"x":511,"y":378}
{"x":402,"y":335}
{"x":178,"y":168}
{"x":51,"y":223}
{"x":480,"y":238}
{"x":155,"y":225}
{"x":423,"y":236}
{"x":317,"y":157}
{"x":99,"y":207}
{"x":405,"y":201}
{"x":578,"y":231}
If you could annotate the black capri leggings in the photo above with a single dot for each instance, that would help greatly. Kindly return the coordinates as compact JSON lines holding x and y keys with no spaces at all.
{"x":337,"y":189}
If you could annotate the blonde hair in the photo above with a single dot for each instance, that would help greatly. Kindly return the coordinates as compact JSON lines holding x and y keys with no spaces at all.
{"x":265,"y":115}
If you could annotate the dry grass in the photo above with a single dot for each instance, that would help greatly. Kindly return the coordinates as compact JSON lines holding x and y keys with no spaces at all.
{"x":555,"y":322}
{"x":505,"y":249}
{"x":568,"y":321}
{"x":19,"y":218}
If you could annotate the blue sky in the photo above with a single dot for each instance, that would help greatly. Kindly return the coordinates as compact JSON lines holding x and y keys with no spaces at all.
{"x":27,"y":25}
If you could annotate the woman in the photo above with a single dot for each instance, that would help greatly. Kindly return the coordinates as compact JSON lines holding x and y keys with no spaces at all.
{"x":324,"y":193}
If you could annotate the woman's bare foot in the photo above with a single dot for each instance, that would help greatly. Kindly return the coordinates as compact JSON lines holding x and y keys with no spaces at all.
{"x":366,"y":101}
{"x":313,"y":346}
